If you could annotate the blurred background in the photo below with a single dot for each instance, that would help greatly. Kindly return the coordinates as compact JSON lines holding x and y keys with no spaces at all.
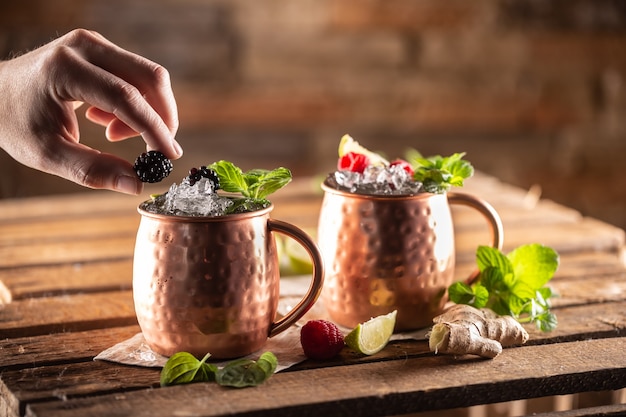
{"x":532,"y":90}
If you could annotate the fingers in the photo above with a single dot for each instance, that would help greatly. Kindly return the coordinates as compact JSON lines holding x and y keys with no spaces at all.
{"x":116,"y":129}
{"x":91,"y":168}
{"x":100,"y":117}
{"x":131,"y":88}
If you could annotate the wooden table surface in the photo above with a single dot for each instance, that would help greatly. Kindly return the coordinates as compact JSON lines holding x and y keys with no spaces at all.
{"x":65,"y":288}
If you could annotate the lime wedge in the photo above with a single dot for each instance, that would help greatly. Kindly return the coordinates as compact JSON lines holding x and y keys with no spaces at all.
{"x":293,"y":257}
{"x":372,"y":336}
{"x":348,"y":144}
{"x":299,"y":260}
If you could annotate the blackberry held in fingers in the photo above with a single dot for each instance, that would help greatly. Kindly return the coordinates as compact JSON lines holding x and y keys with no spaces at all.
{"x":152,"y":166}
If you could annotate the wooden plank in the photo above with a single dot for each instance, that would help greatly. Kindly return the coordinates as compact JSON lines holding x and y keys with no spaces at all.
{"x":67,"y":381}
{"x":50,"y":280}
{"x":590,"y":290}
{"x":67,"y":252}
{"x":585,"y":263}
{"x":77,"y":312}
{"x":467,"y":218}
{"x":604,"y":410}
{"x":37,"y":231}
{"x":588,"y":235}
{"x":378,"y":388}
{"x":304,"y":214}
{"x":580,"y":322}
{"x":91,"y":203}
{"x":57,"y":348}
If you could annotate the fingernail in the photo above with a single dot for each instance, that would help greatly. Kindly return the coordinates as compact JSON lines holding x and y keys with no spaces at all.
{"x":177,"y":148}
{"x":127,"y":185}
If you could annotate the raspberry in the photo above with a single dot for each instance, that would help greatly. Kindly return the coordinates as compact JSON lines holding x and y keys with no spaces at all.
{"x":404,"y":164}
{"x":321,"y":339}
{"x":352,"y":161}
{"x":152,"y":166}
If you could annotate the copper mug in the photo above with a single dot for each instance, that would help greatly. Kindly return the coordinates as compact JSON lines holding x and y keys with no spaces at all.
{"x":385,"y":253}
{"x":211,"y":284}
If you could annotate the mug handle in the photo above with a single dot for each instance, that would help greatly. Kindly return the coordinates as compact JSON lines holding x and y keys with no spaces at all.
{"x":489,"y":213}
{"x":317,"y":282}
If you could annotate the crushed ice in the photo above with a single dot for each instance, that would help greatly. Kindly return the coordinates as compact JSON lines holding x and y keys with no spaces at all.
{"x":185,"y":199}
{"x":376,"y":180}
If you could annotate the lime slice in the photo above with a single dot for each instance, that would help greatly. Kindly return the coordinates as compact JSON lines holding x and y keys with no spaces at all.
{"x":372,"y":336}
{"x":299,"y":260}
{"x":348,"y":144}
{"x":293,"y":257}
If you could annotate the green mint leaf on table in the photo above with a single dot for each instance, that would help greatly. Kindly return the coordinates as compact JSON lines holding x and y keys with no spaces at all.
{"x":437,"y":173}
{"x":247,"y":373}
{"x":184,"y":368}
{"x":513,"y":284}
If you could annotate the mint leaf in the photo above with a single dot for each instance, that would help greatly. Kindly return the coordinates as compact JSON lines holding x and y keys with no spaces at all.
{"x":268,"y":362}
{"x":231,"y":177}
{"x":487,"y":256}
{"x":534,"y":264}
{"x":461,"y":293}
{"x":438,"y":174}
{"x":262,"y":183}
{"x":546,"y":322}
{"x":247,"y":373}
{"x":184,"y":368}
{"x":493,"y":280}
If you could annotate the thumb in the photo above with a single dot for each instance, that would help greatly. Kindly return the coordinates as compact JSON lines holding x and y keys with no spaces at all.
{"x":94,"y":169}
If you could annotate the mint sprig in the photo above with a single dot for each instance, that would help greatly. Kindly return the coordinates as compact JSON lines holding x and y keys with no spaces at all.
{"x":254,"y":185}
{"x":438,"y":173}
{"x":513,"y":284}
{"x":184,"y":368}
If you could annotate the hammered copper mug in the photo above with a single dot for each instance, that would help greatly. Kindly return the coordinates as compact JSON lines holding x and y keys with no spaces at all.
{"x":385,"y":253}
{"x":211,"y":284}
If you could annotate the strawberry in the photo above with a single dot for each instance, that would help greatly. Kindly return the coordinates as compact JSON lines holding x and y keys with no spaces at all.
{"x":321,"y":339}
{"x":352,"y":161}
{"x":404,"y":164}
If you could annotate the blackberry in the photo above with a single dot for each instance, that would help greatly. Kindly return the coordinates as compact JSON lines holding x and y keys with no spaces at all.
{"x":196,"y":175}
{"x":152,"y":166}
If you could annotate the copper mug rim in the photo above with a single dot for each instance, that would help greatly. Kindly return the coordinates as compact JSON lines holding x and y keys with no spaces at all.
{"x":201,"y":219}
{"x":379,"y":197}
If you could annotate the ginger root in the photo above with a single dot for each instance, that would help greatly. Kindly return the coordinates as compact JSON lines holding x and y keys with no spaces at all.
{"x":463,"y":329}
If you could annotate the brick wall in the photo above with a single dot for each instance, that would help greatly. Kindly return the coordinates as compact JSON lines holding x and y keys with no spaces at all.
{"x":532,"y":90}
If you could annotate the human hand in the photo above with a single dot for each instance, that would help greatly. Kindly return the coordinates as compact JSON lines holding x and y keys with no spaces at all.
{"x":41,"y":90}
